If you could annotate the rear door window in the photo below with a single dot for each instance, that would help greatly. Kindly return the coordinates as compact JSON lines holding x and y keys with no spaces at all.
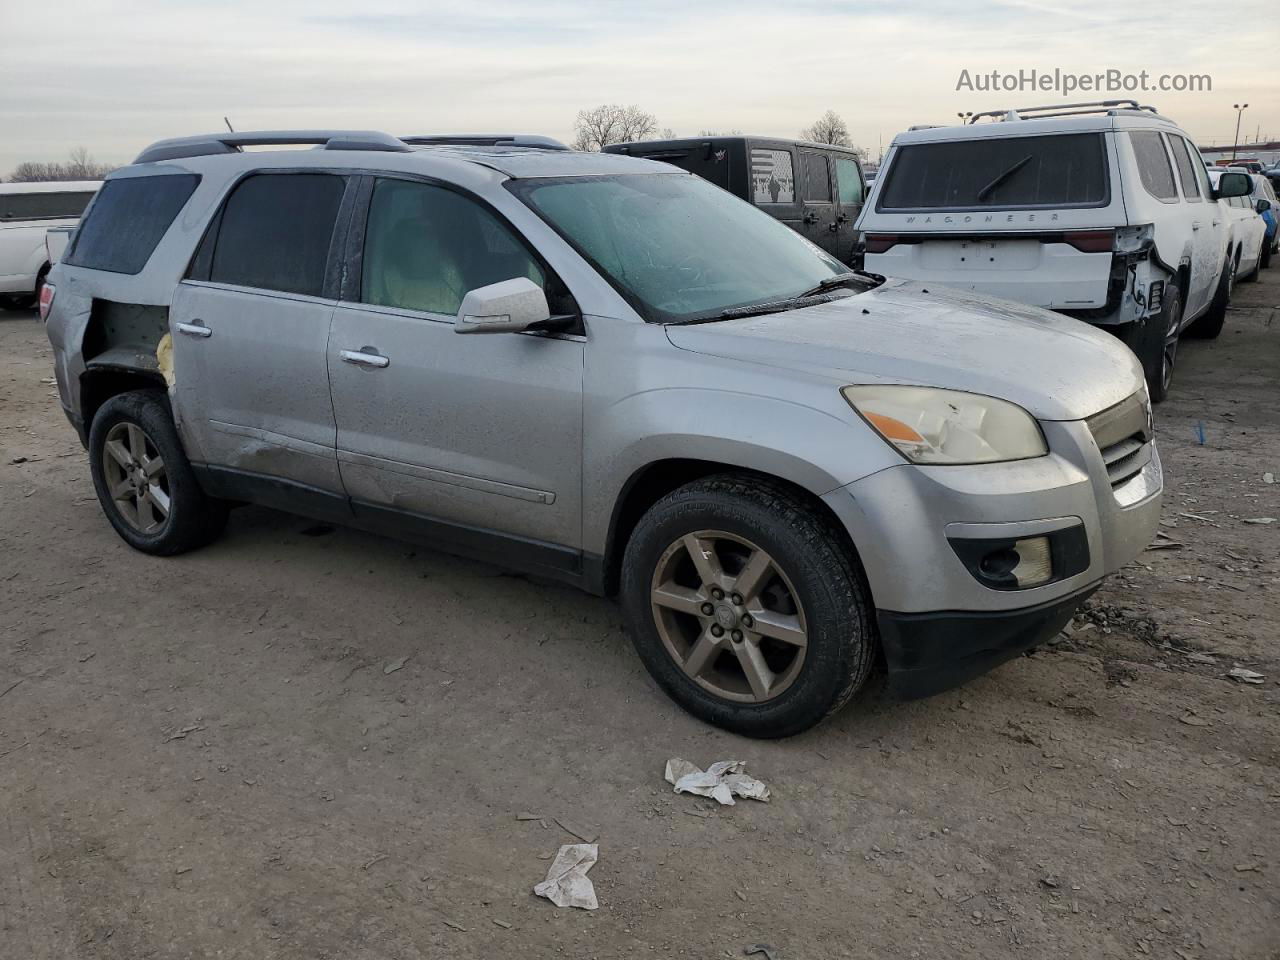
{"x":276,"y":231}
{"x":817,"y":177}
{"x":43,"y":206}
{"x":1063,"y":170}
{"x":1186,"y":161}
{"x":1153,"y":164}
{"x":127,"y":220}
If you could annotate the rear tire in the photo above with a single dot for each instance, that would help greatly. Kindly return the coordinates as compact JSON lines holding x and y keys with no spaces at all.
{"x":1267,"y":250}
{"x":1210,"y":324}
{"x":725,"y":667}
{"x":1155,"y":343}
{"x":19,"y":302}
{"x":143,"y":478}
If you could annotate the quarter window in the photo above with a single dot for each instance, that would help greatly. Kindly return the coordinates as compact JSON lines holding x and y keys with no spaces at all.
{"x":127,"y":220}
{"x":426,"y":246}
{"x":817,"y":179}
{"x":772,"y":176}
{"x":1153,"y":164}
{"x":849,"y":181}
{"x":1186,"y":167}
{"x":275,"y":232}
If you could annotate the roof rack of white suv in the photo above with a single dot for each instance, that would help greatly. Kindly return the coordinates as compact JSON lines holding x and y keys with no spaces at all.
{"x":486,"y":140}
{"x":210,"y":144}
{"x":1109,"y":107}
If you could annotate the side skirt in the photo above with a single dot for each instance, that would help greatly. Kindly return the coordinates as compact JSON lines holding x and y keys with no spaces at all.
{"x":536,"y":557}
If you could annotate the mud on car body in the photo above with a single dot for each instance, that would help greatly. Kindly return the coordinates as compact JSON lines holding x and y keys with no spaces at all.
{"x":790,"y":472}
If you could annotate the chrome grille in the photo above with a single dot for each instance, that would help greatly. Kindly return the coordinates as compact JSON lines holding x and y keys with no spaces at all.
{"x":1123,"y":436}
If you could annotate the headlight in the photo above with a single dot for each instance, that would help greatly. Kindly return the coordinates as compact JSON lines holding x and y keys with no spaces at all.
{"x":931,"y":425}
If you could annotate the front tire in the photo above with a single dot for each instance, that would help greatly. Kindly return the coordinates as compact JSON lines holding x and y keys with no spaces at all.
{"x":144,"y":480}
{"x":746,"y":607}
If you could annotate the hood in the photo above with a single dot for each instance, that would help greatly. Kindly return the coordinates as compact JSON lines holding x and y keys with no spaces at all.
{"x":1054,"y":367}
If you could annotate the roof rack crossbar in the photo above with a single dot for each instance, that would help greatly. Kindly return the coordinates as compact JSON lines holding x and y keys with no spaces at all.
{"x":485,"y":140}
{"x":206,"y":145}
{"x":1093,"y":106}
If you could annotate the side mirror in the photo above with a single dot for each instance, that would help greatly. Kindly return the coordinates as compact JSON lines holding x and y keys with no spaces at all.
{"x":511,"y":306}
{"x":1263,"y":206}
{"x":1233,"y":185}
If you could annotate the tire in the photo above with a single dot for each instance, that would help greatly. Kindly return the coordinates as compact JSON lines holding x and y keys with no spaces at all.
{"x":137,"y":428}
{"x":1267,"y":250}
{"x":1210,"y":324}
{"x":811,"y":581}
{"x":1160,"y":345}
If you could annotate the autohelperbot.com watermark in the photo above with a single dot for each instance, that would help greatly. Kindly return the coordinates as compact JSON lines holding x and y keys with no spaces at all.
{"x":1067,"y":82}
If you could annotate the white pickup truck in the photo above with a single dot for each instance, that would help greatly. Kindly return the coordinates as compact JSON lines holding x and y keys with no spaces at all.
{"x":28,"y":211}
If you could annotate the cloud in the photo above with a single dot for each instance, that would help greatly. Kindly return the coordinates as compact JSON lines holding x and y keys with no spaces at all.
{"x":114,"y":76}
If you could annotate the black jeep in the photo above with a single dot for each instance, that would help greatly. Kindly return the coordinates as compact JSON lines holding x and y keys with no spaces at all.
{"x":816,"y":189}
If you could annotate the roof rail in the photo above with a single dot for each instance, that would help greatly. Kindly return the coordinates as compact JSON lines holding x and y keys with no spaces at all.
{"x":1064,"y":110}
{"x":486,"y":140}
{"x":210,"y":144}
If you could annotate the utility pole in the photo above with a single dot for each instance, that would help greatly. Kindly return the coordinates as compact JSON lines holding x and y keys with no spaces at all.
{"x":1239,"y":109}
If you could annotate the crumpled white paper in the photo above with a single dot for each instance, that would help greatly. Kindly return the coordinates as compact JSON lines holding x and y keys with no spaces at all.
{"x":722,"y":781}
{"x":567,"y":883}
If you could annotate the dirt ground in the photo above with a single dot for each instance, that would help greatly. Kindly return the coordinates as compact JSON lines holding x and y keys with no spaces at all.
{"x":207,"y":756}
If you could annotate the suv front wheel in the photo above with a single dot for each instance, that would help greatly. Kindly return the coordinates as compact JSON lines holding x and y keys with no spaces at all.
{"x":746,"y":607}
{"x":144,"y":480}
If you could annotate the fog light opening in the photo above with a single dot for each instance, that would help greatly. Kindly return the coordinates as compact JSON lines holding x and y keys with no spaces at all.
{"x":1034,"y":565}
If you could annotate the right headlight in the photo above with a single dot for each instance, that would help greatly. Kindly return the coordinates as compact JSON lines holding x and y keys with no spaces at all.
{"x":929,"y":425}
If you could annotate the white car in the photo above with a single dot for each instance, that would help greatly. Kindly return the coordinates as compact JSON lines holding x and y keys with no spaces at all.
{"x":27,"y":212}
{"x":1247,"y":232}
{"x":1103,"y":211}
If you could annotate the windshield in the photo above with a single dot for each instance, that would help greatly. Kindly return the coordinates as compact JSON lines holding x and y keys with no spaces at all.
{"x":677,"y":247}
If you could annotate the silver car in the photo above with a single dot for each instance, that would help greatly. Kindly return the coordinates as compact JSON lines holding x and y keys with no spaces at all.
{"x":792,"y":474}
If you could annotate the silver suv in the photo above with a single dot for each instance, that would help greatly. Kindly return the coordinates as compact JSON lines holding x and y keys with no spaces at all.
{"x":792,"y":474}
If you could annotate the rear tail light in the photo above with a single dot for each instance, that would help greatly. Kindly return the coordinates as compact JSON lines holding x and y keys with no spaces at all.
{"x":46,"y":300}
{"x":1091,"y":241}
{"x":880,"y":242}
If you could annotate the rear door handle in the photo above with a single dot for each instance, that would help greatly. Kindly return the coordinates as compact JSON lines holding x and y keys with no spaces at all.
{"x":196,"y":329}
{"x":1195,"y":225}
{"x":364,"y":358}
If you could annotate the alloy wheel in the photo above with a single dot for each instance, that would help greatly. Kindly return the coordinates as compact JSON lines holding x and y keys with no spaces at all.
{"x":729,"y":616}
{"x":137,"y":481}
{"x":1169,"y":353}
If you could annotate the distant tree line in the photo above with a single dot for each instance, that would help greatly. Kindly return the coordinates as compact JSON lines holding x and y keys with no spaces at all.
{"x":596,"y":128}
{"x":79,"y":165}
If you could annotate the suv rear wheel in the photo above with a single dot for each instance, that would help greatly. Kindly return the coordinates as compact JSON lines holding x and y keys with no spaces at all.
{"x":144,"y":480}
{"x":746,"y":608}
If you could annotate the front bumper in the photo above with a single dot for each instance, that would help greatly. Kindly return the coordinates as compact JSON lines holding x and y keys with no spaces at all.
{"x":900,"y":519}
{"x":928,"y":653}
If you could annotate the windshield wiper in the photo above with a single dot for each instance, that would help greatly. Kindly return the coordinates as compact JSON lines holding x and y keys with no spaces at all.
{"x":839,"y":280}
{"x":985,"y":191}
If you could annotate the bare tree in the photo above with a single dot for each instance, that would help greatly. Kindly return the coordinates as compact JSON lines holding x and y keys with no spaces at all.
{"x":80,"y":166}
{"x":831,"y":128}
{"x":610,"y":123}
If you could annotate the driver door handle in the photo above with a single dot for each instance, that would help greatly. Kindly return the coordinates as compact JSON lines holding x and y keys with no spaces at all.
{"x":361,"y":358}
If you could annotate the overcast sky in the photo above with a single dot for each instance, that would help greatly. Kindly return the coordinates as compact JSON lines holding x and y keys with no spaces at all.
{"x":114,"y":76}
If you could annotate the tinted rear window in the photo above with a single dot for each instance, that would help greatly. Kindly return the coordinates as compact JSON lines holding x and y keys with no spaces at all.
{"x":1066,"y":170}
{"x":127,"y":220}
{"x":43,"y":206}
{"x":276,"y":230}
{"x":817,"y":179}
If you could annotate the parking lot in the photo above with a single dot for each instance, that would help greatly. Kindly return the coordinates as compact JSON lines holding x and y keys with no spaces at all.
{"x":311,"y":742}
